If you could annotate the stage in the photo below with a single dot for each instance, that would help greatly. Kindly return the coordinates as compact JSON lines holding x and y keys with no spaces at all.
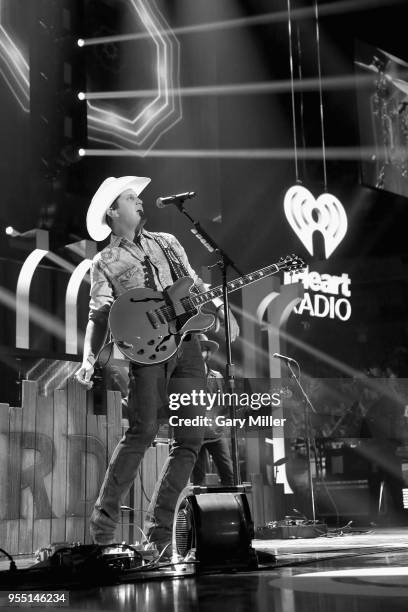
{"x":356,"y":571}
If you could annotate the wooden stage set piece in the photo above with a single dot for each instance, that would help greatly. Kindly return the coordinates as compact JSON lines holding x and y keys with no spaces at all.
{"x":54,"y":452}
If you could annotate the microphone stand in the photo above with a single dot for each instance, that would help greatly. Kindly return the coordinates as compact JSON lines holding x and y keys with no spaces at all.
{"x":224,"y":263}
{"x":307,"y":404}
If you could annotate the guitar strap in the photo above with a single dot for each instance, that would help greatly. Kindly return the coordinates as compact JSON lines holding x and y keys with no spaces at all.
{"x":177,"y":267}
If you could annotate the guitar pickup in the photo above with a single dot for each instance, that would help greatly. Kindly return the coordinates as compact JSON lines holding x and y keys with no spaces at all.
{"x":161,"y":317}
{"x":153,"y":318}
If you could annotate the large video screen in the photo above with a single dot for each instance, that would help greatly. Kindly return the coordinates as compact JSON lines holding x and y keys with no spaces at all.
{"x":382,"y":95}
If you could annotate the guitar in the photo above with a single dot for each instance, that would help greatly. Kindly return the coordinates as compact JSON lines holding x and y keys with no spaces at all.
{"x":148,"y":326}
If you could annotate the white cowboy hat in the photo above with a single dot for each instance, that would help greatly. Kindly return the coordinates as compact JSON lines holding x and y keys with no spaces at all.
{"x":206,"y":344}
{"x":108,"y":191}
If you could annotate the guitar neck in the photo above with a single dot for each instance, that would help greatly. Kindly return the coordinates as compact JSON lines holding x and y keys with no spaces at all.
{"x":234,"y":285}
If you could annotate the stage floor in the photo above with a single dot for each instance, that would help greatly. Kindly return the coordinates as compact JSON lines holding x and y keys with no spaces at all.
{"x":353,"y":572}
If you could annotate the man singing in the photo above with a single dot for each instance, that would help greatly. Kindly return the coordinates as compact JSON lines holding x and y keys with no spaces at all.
{"x":137,"y":258}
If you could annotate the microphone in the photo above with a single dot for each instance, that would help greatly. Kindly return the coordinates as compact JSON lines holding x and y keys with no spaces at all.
{"x":175,"y":199}
{"x":284,"y":358}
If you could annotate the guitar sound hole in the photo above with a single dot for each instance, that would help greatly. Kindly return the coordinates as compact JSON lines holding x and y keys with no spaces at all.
{"x":150,"y":342}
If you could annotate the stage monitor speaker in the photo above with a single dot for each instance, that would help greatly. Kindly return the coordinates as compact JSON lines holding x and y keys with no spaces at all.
{"x":345,"y":498}
{"x":219,"y":527}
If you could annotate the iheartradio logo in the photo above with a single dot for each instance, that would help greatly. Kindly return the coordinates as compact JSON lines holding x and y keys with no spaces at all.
{"x":307,"y":215}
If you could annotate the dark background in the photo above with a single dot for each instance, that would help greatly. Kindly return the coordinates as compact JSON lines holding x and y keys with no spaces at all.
{"x":45,"y":184}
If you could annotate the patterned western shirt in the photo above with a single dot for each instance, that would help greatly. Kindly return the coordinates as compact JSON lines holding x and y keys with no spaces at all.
{"x":124,"y":265}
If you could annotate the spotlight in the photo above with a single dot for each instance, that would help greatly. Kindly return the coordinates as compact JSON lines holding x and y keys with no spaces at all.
{"x":81,"y":95}
{"x":80,"y":42}
{"x":10,"y":231}
{"x":69,"y":154}
{"x":34,"y":239}
{"x":81,"y":152}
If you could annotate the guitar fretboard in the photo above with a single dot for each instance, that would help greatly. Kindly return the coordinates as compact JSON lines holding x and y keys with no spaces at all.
{"x":238,"y":283}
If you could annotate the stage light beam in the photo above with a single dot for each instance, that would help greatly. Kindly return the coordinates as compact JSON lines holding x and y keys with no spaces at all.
{"x":336,"y":153}
{"x":331,"y":83}
{"x":15,"y":70}
{"x":328,"y":8}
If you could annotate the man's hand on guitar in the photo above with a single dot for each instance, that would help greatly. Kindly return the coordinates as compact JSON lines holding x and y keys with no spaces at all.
{"x":84,"y":374}
{"x":234,"y":327}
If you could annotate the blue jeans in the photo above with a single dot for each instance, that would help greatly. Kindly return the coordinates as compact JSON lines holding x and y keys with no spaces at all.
{"x":147,"y":405}
{"x":219,"y":451}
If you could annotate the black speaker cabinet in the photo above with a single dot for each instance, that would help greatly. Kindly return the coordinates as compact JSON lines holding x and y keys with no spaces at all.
{"x":346,"y":498}
{"x":220,"y":528}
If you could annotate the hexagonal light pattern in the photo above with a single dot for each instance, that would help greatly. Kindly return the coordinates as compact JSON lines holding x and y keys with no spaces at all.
{"x":160,"y":114}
